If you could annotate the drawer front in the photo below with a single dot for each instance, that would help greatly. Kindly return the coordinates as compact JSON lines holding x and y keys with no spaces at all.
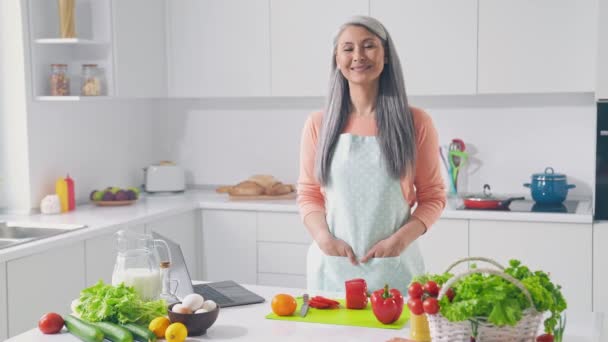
{"x":282,"y":227}
{"x":282,"y":280}
{"x":288,"y":258}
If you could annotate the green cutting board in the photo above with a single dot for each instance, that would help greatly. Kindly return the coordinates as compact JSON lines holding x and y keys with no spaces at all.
{"x":343,"y":316}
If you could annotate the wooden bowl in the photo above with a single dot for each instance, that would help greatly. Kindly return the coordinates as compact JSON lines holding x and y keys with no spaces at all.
{"x":197,"y":324}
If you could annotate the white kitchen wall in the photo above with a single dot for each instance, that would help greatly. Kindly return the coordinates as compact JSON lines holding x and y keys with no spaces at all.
{"x":99,"y":143}
{"x":510,"y":137}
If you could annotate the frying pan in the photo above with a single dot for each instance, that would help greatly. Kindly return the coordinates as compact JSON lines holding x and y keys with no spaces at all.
{"x":487,"y":201}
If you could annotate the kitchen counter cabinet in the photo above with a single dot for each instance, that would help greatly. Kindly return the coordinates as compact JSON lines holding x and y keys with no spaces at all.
{"x":44,"y":282}
{"x":183,"y":229}
{"x":139,"y":40}
{"x":101,"y":256}
{"x":600,"y":267}
{"x":229,"y":246}
{"x":437,"y":61}
{"x":282,"y":243}
{"x":517,"y":54}
{"x":3,"y":303}
{"x":445,"y":242}
{"x":295,"y":73}
{"x":218,"y":48}
{"x":561,"y":249}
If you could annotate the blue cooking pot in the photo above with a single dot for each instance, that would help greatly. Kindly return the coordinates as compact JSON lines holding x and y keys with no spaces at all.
{"x":549,"y":187}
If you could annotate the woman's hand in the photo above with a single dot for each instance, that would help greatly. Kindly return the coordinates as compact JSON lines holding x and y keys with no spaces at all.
{"x":336,"y":247}
{"x":395,"y":244}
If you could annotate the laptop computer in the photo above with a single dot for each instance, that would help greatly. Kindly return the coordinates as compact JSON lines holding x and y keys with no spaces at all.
{"x":224,"y":293}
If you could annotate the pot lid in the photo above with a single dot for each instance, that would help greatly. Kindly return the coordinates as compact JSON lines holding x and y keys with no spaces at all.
{"x":486,"y":195}
{"x":549,"y":174}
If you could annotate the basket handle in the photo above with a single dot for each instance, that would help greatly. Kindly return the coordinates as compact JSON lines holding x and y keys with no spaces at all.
{"x":488,"y":260}
{"x":501,"y":274}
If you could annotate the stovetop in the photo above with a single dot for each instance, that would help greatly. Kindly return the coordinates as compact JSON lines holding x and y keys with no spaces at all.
{"x":529,"y":206}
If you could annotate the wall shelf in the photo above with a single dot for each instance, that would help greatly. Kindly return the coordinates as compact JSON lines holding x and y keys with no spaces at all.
{"x":60,"y":41}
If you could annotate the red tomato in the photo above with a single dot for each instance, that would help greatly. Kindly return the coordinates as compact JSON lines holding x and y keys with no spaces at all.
{"x":431,"y":288}
{"x":50,"y":323}
{"x":450,"y":294}
{"x":430,"y":306}
{"x":415,"y":290}
{"x":545,"y":338}
{"x":415,"y":306}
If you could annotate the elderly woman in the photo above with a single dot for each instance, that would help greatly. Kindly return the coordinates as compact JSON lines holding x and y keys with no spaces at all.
{"x":365,"y":161}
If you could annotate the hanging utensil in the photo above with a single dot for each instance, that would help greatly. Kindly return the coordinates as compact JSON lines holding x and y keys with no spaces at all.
{"x":457,"y":158}
{"x":487,"y":201}
{"x":448,"y":170}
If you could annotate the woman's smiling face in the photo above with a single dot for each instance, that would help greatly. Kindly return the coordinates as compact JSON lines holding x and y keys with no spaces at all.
{"x":360,"y":55}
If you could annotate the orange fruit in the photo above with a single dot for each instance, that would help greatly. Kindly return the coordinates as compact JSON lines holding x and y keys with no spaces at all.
{"x":283,"y":304}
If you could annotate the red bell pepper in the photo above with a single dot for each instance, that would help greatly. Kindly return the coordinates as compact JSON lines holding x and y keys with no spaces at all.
{"x":356,"y":293}
{"x":387,"y":305}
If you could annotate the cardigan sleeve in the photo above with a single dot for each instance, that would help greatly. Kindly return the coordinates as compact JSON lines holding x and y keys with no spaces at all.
{"x":428,"y":182}
{"x":310,"y":198}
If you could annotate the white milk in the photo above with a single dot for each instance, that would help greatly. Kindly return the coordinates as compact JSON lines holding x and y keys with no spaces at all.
{"x":146,"y":282}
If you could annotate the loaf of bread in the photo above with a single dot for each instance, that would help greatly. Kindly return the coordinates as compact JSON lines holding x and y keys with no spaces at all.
{"x":278,"y":189}
{"x":266,"y":181}
{"x":246,"y":188}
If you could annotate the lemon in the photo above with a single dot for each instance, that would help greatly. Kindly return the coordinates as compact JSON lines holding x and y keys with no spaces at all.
{"x":159,"y":325}
{"x":176,"y":332}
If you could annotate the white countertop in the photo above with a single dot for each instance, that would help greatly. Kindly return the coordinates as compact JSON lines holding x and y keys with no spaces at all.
{"x":248,"y":323}
{"x":152,"y":207}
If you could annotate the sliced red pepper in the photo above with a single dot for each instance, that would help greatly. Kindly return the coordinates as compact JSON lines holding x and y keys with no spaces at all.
{"x":326,"y":300}
{"x":356,"y":293}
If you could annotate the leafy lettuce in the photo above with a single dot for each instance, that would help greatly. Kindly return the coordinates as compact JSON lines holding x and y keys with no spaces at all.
{"x":117,"y":304}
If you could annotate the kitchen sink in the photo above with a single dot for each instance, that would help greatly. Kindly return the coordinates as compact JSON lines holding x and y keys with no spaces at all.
{"x":15,"y":233}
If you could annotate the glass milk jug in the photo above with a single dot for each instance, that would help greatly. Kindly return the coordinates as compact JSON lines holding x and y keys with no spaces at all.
{"x":138,"y":263}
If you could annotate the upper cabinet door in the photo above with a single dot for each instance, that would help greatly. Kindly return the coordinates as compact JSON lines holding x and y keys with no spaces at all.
{"x":537,"y":46}
{"x":139,"y":36}
{"x":219,"y":48}
{"x":302,"y":33}
{"x":436,"y":41}
{"x":602,"y":56}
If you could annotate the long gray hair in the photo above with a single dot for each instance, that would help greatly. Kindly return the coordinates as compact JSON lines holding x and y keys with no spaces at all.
{"x":396,"y":134}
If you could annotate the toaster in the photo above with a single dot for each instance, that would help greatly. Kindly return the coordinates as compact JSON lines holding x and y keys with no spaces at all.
{"x":159,"y":178}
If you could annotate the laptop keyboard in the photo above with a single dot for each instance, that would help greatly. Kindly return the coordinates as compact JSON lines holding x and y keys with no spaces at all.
{"x":210,"y":293}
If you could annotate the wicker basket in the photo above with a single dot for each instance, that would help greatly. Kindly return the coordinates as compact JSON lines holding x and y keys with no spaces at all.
{"x":442,"y":330}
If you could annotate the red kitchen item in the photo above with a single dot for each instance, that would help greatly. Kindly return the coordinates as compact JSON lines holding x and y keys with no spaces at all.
{"x":487,"y":201}
{"x":387,"y":305}
{"x":356,"y":293}
{"x":71,"y":197}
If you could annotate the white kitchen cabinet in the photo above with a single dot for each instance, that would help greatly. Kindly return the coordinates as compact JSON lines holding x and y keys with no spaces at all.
{"x":3,"y":303}
{"x":436,"y":41}
{"x":301,"y":36}
{"x":600,"y":267}
{"x":100,"y":256}
{"x":444,"y":243}
{"x":282,"y":243}
{"x":92,"y":45}
{"x":601,"y":91}
{"x":139,"y":45}
{"x":43,"y":282}
{"x":229,"y":246}
{"x":183,"y":229}
{"x":219,"y":48}
{"x":537,"y":46}
{"x":561,"y":249}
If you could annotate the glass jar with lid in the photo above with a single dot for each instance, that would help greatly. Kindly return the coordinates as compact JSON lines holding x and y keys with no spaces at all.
{"x":91,"y":80}
{"x":59,"y":80}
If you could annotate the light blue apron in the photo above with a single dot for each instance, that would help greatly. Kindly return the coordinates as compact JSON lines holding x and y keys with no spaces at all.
{"x":364,"y":205}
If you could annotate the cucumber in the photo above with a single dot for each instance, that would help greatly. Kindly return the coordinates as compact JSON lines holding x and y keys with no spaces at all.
{"x":140,"y":333}
{"x":114,"y":332}
{"x":82,"y":329}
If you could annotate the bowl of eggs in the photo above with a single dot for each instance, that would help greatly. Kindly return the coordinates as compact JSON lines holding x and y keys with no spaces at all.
{"x":196,"y":313}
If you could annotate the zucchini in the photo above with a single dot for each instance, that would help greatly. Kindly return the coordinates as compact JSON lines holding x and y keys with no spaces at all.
{"x":82,"y":329}
{"x":114,"y":332}
{"x":140,"y":333}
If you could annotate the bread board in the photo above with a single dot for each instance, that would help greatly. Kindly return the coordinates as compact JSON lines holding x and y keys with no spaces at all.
{"x":290,"y":195}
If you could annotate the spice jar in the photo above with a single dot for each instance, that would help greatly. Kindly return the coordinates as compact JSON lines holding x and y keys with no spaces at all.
{"x":60,"y":81}
{"x":90,"y":80}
